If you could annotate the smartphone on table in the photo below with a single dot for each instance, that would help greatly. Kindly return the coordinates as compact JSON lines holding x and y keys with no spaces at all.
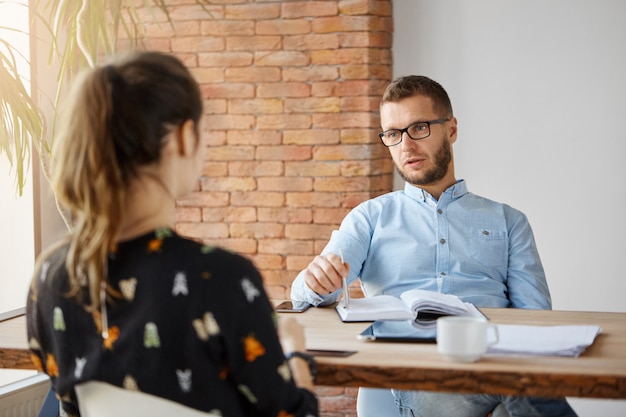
{"x":292,"y":306}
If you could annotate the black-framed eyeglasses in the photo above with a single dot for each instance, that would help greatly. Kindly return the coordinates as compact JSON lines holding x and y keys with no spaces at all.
{"x":419,"y":130}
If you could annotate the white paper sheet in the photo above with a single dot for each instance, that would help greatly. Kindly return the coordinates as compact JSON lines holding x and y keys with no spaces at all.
{"x":543,"y":340}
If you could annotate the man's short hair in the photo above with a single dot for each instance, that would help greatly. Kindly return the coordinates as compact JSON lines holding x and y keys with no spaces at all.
{"x":416,"y":85}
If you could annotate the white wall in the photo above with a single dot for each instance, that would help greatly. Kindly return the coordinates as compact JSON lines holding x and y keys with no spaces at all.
{"x":539,"y":89}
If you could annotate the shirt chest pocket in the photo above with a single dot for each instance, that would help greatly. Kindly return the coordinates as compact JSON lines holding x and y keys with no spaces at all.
{"x":488,"y":246}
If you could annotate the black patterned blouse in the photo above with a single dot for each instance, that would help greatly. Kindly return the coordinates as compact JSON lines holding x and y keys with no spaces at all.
{"x":193,"y":324}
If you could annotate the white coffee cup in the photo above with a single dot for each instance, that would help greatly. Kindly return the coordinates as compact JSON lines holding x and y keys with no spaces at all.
{"x":464,"y":339}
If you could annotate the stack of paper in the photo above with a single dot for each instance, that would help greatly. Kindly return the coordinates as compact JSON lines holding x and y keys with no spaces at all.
{"x":543,"y":340}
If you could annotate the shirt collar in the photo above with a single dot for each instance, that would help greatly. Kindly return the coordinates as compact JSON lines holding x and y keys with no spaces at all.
{"x":456,"y":191}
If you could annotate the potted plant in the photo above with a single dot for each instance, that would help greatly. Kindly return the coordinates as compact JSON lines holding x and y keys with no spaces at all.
{"x":81,"y":33}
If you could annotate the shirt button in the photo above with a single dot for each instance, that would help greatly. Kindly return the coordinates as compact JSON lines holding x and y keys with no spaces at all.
{"x":442,"y":241}
{"x":486,"y":232}
{"x":439,"y":211}
{"x":443,"y":274}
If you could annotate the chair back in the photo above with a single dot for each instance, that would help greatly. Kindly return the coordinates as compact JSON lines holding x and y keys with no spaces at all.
{"x":376,"y":402}
{"x":100,"y":399}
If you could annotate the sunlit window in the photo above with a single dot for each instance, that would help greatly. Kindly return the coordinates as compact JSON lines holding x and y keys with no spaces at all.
{"x":16,"y":213}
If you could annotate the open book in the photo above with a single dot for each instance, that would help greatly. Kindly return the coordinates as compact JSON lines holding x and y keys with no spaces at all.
{"x":422,"y":307}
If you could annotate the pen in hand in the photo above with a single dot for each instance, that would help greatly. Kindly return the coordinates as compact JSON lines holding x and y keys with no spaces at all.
{"x":346,"y":293}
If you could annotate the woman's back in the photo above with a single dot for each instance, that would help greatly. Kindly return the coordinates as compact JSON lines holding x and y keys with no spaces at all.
{"x":192,"y":324}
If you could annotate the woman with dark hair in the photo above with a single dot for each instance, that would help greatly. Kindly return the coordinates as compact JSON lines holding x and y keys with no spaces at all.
{"x":127,"y":301}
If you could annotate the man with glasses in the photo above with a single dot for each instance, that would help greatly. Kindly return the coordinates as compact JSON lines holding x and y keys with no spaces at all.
{"x":433,"y":235}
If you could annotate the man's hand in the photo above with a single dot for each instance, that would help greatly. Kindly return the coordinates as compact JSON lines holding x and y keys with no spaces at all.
{"x":324,"y":275}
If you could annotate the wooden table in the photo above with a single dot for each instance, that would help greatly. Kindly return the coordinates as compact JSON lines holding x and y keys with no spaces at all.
{"x":599,"y":372}
{"x":14,"y":353}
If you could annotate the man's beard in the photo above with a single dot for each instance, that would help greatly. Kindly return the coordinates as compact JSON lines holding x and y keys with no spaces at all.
{"x":434,"y":174}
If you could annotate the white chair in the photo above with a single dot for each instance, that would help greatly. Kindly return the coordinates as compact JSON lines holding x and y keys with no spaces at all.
{"x":375,"y":402}
{"x":99,"y":399}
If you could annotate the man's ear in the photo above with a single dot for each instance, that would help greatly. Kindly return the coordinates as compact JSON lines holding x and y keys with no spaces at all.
{"x":452,"y":130}
{"x":187,"y":138}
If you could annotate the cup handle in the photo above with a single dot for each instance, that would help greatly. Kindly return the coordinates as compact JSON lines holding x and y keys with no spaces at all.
{"x":496,"y":337}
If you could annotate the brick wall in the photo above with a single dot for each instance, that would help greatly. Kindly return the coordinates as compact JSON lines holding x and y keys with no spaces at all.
{"x":292,"y":91}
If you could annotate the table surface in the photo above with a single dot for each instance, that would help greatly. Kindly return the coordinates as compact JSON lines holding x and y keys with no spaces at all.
{"x":600,"y":372}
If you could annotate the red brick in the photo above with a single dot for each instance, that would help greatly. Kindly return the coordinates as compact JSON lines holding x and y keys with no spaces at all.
{"x":173,"y":30}
{"x":208,"y":75}
{"x":283,"y":90}
{"x":283,"y":27}
{"x":215,"y":106}
{"x":292,"y":9}
{"x":313,"y":105}
{"x":365,"y":7}
{"x":197,"y":44}
{"x":228,"y":184}
{"x":256,"y":168}
{"x":204,"y":199}
{"x":229,"y":121}
{"x":284,"y":121}
{"x":351,"y":200}
{"x":360,"y":168}
{"x":255,"y":106}
{"x":227,"y":27}
{"x":310,"y":136}
{"x":308,"y":231}
{"x":366,"y":72}
{"x":253,"y":137}
{"x":285,"y":214}
{"x":313,"y":199}
{"x":349,"y":88}
{"x":254,"y":43}
{"x":188,"y":214}
{"x":263,"y":261}
{"x":284,"y":153}
{"x":203,"y":230}
{"x":278,"y":277}
{"x":350,"y":56}
{"x":258,"y":199}
{"x":332,"y":216}
{"x":312,"y":169}
{"x":157,"y":44}
{"x":340,"y":184}
{"x":215,"y":169}
{"x":382,"y":40}
{"x":227,"y":90}
{"x":281,"y":58}
{"x":351,"y":24}
{"x":229,"y":214}
{"x":343,"y":152}
{"x":298,"y":263}
{"x":285,"y":184}
{"x":360,"y":135}
{"x":311,"y":74}
{"x":257,"y":230}
{"x":195,"y":12}
{"x":249,"y":74}
{"x":252,"y":11}
{"x":342,"y":120}
{"x":225,"y":59}
{"x":311,"y":42}
{"x":285,"y":246}
{"x":230,"y":153}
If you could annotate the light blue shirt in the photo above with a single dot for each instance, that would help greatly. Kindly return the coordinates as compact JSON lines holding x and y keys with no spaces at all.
{"x":466,"y":245}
